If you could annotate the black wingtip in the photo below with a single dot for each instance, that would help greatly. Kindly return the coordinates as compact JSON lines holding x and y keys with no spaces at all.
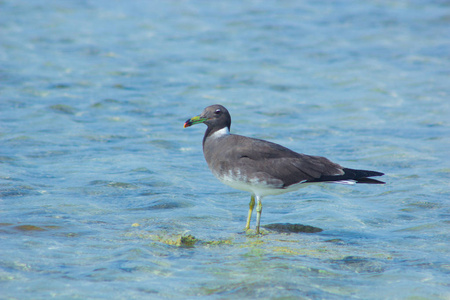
{"x":370,"y":180}
{"x":362,"y":176}
{"x":357,"y":176}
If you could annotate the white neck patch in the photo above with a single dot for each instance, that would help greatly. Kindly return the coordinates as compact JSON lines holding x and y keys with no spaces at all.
{"x":221,"y":132}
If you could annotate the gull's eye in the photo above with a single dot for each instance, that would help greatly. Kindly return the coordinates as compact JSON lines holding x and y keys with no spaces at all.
{"x":217,"y":111}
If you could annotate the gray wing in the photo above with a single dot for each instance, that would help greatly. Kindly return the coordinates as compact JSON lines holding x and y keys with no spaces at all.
{"x":278,"y":164}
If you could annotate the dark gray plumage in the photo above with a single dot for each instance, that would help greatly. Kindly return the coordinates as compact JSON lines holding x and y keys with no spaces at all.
{"x":264,"y":168}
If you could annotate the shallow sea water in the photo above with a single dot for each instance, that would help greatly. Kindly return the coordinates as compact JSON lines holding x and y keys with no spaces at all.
{"x":103,"y":194}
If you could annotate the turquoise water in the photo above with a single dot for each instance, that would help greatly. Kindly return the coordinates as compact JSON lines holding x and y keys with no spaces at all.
{"x":99,"y":181}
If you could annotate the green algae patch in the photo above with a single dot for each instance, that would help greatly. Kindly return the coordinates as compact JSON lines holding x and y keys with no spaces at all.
{"x":188,"y":241}
{"x":218,"y":243}
{"x":179,"y":240}
{"x":317,"y":252}
{"x":251,"y":233}
{"x":287,"y":250}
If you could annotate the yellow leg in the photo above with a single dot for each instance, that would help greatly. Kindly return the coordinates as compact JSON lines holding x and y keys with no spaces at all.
{"x":258,"y":212}
{"x":250,"y":211}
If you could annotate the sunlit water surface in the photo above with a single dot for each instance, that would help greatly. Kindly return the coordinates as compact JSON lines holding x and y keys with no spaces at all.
{"x":101,"y":186}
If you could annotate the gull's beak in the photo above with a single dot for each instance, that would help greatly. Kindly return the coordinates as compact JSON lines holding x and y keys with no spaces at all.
{"x":194,"y":120}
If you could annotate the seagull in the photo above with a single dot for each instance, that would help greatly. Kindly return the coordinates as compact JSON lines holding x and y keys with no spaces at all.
{"x":264,"y":168}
